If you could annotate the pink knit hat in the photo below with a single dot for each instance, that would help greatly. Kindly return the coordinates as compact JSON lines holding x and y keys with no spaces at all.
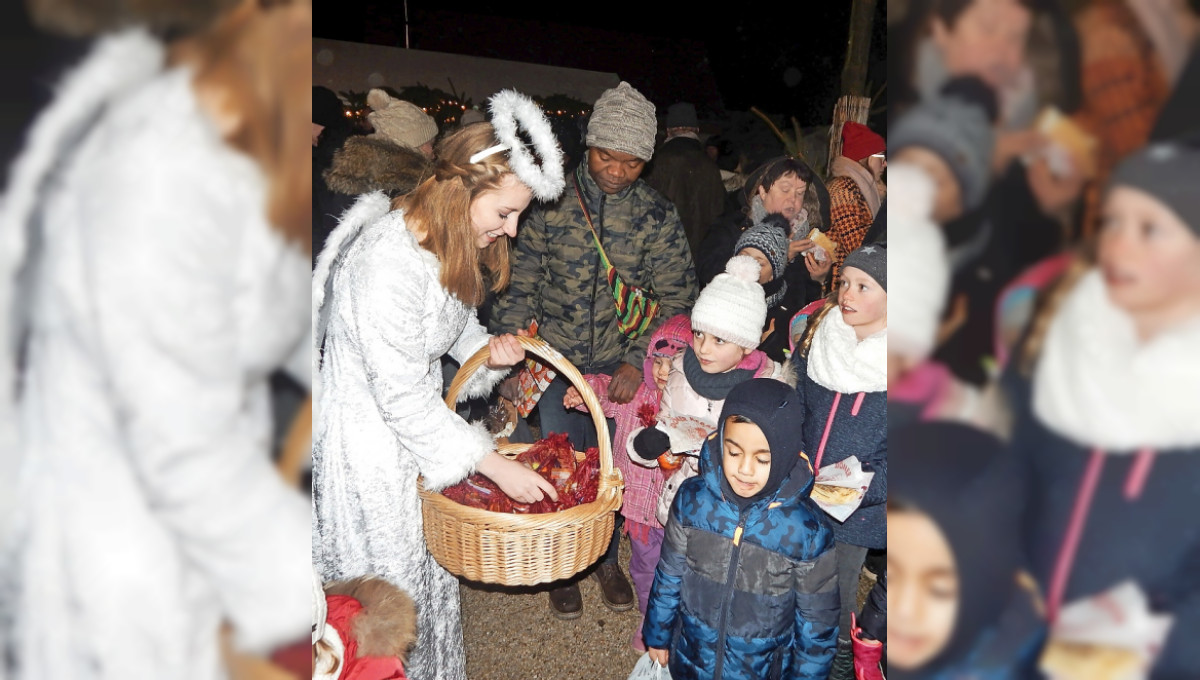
{"x":672,"y":336}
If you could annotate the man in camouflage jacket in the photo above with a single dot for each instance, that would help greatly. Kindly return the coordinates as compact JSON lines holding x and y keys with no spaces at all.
{"x":558,"y":279}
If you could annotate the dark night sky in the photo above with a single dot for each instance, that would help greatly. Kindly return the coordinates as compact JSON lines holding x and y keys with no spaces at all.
{"x":783,"y":61}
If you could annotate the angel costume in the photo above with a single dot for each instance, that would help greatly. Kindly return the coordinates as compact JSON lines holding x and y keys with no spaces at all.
{"x":386,"y":321}
{"x":143,"y":508}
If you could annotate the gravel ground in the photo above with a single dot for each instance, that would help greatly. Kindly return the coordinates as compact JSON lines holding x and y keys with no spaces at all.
{"x":510,"y":634}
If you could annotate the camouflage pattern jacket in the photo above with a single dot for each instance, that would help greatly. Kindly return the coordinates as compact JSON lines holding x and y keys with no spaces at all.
{"x":558,"y":279}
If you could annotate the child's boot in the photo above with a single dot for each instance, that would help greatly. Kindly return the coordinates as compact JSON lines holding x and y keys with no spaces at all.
{"x":868,"y":654}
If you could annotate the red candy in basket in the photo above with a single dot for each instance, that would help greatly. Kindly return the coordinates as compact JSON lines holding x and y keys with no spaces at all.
{"x":553,"y":458}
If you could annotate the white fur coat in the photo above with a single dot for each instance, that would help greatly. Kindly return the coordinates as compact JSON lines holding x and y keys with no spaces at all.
{"x":146,"y":508}
{"x":381,"y":421}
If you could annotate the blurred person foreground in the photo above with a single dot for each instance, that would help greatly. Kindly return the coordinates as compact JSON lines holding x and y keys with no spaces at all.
{"x":1045,"y":157}
{"x":154,"y":238}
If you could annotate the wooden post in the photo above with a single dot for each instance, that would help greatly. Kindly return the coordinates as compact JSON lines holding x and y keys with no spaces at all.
{"x":854,"y":103}
{"x":848,"y":108}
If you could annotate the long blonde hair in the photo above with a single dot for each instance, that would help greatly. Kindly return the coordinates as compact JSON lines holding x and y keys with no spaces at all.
{"x":440,"y":208}
{"x":1048,"y":303}
{"x":831,"y":301}
{"x":253,"y":76}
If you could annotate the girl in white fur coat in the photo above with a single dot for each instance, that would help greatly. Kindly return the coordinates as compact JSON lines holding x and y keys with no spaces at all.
{"x":162,"y":252}
{"x":393,"y":292}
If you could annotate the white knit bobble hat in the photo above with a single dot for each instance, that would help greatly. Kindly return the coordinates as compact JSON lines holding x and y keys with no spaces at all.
{"x":919,"y":276}
{"x":733,"y":307}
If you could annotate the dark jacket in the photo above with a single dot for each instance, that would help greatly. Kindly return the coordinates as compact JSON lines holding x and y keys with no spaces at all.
{"x":858,"y":429}
{"x":1012,"y":235}
{"x":1152,"y":538}
{"x":749,"y":595}
{"x":557,"y":276}
{"x":324,"y":211}
{"x":687,"y":177}
{"x":1178,"y":117}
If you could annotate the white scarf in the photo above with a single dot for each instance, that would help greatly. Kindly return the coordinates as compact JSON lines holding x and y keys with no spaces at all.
{"x":1098,"y":385}
{"x":844,"y":167}
{"x":838,"y":361}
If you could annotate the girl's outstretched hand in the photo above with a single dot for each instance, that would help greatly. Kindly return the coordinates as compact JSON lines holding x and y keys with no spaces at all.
{"x":572,"y":399}
{"x":659,"y":656}
{"x":504,"y":351}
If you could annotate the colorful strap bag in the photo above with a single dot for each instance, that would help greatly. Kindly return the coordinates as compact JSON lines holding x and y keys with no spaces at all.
{"x":636,"y":307}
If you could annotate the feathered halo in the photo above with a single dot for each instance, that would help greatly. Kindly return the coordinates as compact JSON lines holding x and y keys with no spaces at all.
{"x":509,"y":108}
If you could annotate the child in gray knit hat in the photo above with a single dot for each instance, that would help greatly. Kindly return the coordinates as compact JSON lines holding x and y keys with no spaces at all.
{"x":952,"y":139}
{"x":767,"y":243}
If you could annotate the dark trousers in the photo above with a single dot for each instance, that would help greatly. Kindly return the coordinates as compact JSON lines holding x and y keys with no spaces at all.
{"x":579,"y":428}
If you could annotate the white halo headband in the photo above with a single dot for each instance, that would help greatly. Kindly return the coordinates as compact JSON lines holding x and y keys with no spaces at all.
{"x":487,"y":152}
{"x":508,"y":108}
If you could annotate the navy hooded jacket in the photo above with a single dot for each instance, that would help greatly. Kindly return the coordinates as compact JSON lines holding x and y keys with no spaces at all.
{"x":745,"y":594}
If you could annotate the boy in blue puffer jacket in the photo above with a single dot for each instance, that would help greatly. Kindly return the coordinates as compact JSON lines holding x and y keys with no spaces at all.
{"x":746,"y":587}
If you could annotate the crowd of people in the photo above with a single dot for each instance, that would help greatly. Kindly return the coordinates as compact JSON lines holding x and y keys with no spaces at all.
{"x":1022,"y":431}
{"x":155,"y":228}
{"x":1037,"y":385}
{"x":1047,"y":266}
{"x":408,"y":272}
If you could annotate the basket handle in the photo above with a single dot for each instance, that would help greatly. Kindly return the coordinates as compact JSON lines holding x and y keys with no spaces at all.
{"x":540,"y":348}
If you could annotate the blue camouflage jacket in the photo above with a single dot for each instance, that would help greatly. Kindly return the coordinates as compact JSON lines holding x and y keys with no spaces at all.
{"x":745,"y":594}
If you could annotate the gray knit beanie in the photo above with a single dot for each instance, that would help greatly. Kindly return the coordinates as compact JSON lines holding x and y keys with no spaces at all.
{"x":770,"y":238}
{"x":956,"y":127}
{"x":871,"y":259}
{"x":1168,"y":171}
{"x":623,"y":120}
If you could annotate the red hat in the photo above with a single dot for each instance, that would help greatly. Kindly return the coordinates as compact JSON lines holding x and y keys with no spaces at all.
{"x":858,"y":141}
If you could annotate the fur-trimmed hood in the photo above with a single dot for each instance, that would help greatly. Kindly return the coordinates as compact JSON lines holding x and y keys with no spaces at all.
{"x":388,"y":623}
{"x":366,"y":164}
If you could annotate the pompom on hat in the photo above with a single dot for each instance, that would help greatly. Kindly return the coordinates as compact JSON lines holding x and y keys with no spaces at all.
{"x":922,"y":268}
{"x":399,"y":121}
{"x":733,"y":307}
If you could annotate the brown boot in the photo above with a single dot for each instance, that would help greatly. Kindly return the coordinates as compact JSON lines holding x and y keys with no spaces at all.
{"x":566,"y":603}
{"x":615,"y":591}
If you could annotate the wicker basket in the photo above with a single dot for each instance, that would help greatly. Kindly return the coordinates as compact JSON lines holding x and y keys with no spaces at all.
{"x":509,"y":549}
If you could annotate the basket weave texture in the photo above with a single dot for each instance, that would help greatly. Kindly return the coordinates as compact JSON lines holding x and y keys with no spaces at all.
{"x":509,"y":549}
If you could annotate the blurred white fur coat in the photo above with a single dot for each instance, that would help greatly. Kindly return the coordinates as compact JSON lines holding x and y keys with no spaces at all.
{"x":144,"y":506}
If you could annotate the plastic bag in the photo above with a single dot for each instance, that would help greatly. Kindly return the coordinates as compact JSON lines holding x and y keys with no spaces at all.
{"x":646,"y":669}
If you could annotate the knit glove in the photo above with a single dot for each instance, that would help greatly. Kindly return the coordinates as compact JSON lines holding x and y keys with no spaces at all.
{"x":650,"y":443}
